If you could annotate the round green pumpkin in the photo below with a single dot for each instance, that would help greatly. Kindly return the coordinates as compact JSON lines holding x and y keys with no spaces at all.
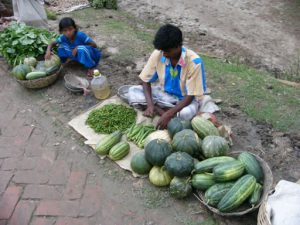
{"x":187,"y":141}
{"x":20,"y":71}
{"x":157,"y":151}
{"x":177,"y":124}
{"x":139,"y":163}
{"x":179,"y":164}
{"x":158,"y":176}
{"x":213,"y":146}
{"x":180,"y":187}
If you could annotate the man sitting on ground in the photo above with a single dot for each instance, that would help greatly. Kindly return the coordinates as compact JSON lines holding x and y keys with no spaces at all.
{"x":180,"y":75}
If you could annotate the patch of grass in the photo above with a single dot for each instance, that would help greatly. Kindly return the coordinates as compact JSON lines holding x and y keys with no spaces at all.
{"x":259,"y":94}
{"x":133,"y":41}
{"x":51,"y":15}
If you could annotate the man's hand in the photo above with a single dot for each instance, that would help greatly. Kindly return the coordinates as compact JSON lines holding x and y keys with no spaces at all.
{"x":48,"y":55}
{"x":164,"y":120}
{"x":149,"y":112}
{"x":74,"y":51}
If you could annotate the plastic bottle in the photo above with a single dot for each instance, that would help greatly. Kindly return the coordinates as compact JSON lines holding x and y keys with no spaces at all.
{"x":100,"y":86}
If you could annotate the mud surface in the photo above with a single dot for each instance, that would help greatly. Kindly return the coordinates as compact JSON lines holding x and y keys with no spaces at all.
{"x":264,"y":33}
{"x":54,"y":106}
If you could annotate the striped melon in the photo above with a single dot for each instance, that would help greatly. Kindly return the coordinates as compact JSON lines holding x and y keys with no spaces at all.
{"x":105,"y":144}
{"x":203,"y":181}
{"x":119,"y":151}
{"x":204,"y":127}
{"x":241,"y":190}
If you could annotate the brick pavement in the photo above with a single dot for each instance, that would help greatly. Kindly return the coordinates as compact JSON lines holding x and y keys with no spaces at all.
{"x":47,"y":177}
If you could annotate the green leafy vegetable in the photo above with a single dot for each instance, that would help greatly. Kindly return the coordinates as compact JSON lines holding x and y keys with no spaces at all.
{"x":110,"y":118}
{"x":19,"y":41}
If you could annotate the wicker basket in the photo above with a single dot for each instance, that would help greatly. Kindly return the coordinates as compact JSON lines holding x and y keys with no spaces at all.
{"x":268,"y":183}
{"x":40,"y":82}
{"x":262,"y":217}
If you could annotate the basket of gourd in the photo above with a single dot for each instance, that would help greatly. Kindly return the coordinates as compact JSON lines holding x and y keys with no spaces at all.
{"x":233,"y":185}
{"x":35,"y":74}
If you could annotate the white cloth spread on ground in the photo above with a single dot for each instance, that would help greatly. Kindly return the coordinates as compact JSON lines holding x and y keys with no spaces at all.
{"x":136,"y":97}
{"x":283,"y":206}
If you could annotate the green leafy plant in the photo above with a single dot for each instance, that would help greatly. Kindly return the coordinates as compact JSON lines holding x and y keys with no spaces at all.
{"x":51,"y":15}
{"x":19,"y":41}
{"x":99,"y":4}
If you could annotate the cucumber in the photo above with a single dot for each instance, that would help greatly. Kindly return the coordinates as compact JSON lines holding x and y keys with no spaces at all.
{"x":53,"y":69}
{"x":207,"y":165}
{"x":252,"y":166}
{"x":105,"y":144}
{"x":119,"y":151}
{"x":35,"y":75}
{"x":202,"y":181}
{"x":255,"y":197}
{"x":216,"y":192}
{"x":228,"y":171}
{"x":240,"y":191}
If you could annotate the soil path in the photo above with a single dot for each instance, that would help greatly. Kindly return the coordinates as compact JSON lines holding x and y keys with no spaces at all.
{"x":266,"y":33}
{"x":48,"y":176}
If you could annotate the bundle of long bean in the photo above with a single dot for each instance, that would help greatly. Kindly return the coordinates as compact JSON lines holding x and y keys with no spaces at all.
{"x":137,"y":133}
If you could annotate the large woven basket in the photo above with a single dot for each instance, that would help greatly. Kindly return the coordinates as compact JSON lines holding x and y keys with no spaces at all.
{"x":242,"y":210}
{"x":262,"y":217}
{"x":40,"y":82}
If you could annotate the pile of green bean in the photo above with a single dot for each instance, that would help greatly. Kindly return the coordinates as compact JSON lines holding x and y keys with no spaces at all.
{"x":137,"y":133}
{"x":110,"y":118}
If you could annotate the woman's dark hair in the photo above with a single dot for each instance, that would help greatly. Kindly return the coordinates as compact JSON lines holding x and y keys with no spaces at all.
{"x":168,"y":36}
{"x":66,"y":22}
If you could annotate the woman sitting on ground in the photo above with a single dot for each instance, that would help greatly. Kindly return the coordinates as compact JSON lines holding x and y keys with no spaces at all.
{"x":75,"y":45}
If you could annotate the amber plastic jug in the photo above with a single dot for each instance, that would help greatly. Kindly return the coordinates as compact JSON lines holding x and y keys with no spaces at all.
{"x":100,"y":85}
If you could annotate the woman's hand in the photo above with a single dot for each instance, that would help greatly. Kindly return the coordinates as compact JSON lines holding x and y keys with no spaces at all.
{"x":48,"y":55}
{"x":74,"y":51}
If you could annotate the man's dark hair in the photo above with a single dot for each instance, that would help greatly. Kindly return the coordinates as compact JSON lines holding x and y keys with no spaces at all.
{"x":66,"y":22}
{"x":168,"y":36}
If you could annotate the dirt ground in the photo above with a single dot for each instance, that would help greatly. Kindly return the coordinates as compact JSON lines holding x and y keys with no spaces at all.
{"x":264,"y":33}
{"x":137,"y":202}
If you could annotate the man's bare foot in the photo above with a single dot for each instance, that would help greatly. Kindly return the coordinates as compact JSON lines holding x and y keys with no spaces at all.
{"x":90,"y":72}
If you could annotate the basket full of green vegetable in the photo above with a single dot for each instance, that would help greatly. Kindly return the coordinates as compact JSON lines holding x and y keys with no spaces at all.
{"x":239,"y":185}
{"x":37,"y":74}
